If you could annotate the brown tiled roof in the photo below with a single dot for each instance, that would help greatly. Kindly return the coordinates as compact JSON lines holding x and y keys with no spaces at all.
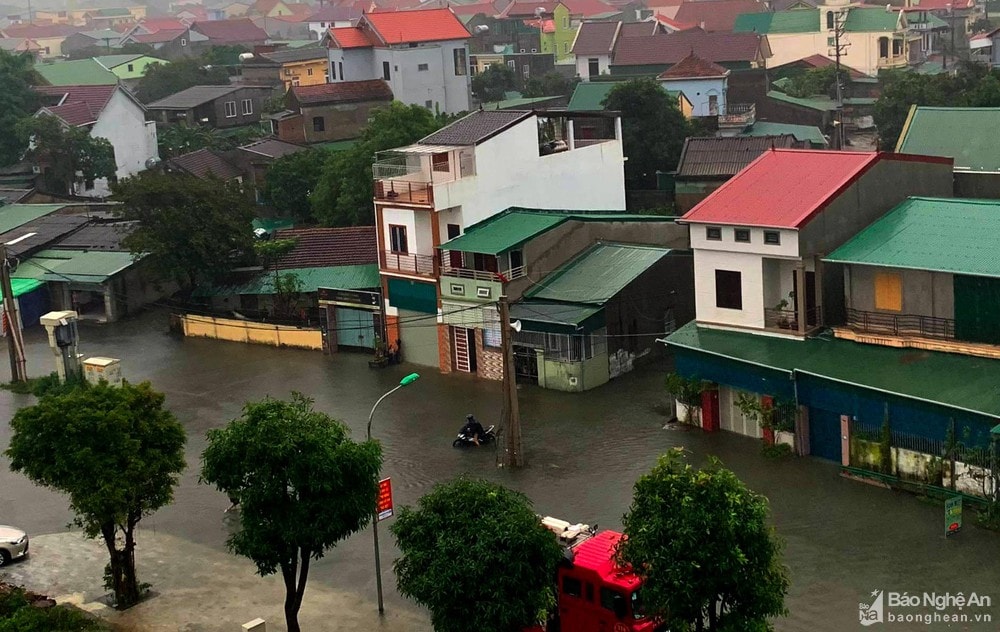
{"x":76,"y":105}
{"x":596,"y":38}
{"x":639,"y":29}
{"x":323,"y":247}
{"x":272,"y":148}
{"x":717,"y":15}
{"x":693,"y":67}
{"x":343,"y":92}
{"x":725,"y":157}
{"x":204,"y":163}
{"x":475,"y":127}
{"x":670,"y":49}
{"x":230,"y":31}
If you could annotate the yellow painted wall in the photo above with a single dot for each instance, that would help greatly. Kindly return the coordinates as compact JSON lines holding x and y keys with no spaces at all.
{"x":300,"y":70}
{"x":251,"y":332}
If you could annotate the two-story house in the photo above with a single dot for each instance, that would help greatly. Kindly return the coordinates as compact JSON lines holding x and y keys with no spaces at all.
{"x":488,"y":161}
{"x":422,"y":55}
{"x":762,"y":290}
{"x":704,"y":83}
{"x":331,"y":16}
{"x":221,"y":107}
{"x":550,"y":20}
{"x":329,"y":112}
{"x":874,"y":38}
{"x":287,"y":67}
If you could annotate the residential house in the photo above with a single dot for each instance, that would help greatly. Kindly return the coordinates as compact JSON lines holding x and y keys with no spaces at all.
{"x":108,"y":18}
{"x":170,"y":43}
{"x":329,"y":112}
{"x":858,"y":84}
{"x":719,"y":16}
{"x":287,"y":67}
{"x":277,"y":9}
{"x":806,"y":136}
{"x":236,"y":32}
{"x":580,"y":323}
{"x":109,"y":112}
{"x":822,"y":111}
{"x":874,"y":38}
{"x":331,"y":16}
{"x":235,"y":10}
{"x":526,"y":65}
{"x":128,"y":68}
{"x":590,"y":96}
{"x":423,"y":55}
{"x":928,"y":33}
{"x":593,"y":46}
{"x":294,"y":27}
{"x":550,"y":19}
{"x":706,"y":163}
{"x":101,"y":39}
{"x":644,"y":56}
{"x":704,"y":83}
{"x":488,"y":161}
{"x":958,"y":15}
{"x":204,"y":164}
{"x":254,"y":159}
{"x":49,"y":37}
{"x":84,"y":72}
{"x":21,"y":45}
{"x":960,"y":134}
{"x":220,"y":107}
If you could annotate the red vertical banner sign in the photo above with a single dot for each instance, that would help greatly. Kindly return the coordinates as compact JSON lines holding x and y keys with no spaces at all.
{"x":383,"y":502}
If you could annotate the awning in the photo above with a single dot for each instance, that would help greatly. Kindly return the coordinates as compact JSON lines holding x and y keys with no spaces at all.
{"x":23,"y":286}
{"x":568,"y":318}
{"x":74,"y":266}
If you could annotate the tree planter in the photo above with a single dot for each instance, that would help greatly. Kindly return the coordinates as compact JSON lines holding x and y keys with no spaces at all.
{"x":694,"y":411}
{"x":785,"y":437}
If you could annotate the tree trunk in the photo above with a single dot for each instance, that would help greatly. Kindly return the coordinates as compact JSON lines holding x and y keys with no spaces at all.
{"x":123,"y":578}
{"x":295,"y":575}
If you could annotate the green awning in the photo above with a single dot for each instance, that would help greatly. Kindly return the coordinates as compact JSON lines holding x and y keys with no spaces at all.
{"x":75,"y":266}
{"x":16,"y":215}
{"x":23,"y":286}
{"x":503,"y":233}
{"x":597,"y":275}
{"x":558,"y":317}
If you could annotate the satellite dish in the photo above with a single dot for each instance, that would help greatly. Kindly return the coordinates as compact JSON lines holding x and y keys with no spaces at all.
{"x":152,"y":162}
{"x":516,"y":326}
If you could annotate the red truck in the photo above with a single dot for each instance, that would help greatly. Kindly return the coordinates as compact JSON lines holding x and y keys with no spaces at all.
{"x":593,"y":593}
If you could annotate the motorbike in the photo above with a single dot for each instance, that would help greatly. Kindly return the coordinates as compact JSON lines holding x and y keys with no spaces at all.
{"x":463,"y":441}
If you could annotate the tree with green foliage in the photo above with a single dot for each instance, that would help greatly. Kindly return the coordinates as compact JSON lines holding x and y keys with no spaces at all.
{"x":22,"y":611}
{"x":817,"y":81}
{"x":66,"y":154}
{"x":17,"y":101}
{"x":492,"y":84}
{"x":290,"y":181}
{"x":288,"y":286}
{"x":162,"y":80}
{"x":700,"y":542}
{"x":181,"y":138}
{"x":116,"y":451}
{"x":301,"y":483}
{"x":687,"y":391}
{"x":343,"y":194}
{"x":551,"y":84}
{"x":476,"y":556}
{"x":225,"y":56}
{"x":193,"y":229}
{"x":653,"y":130}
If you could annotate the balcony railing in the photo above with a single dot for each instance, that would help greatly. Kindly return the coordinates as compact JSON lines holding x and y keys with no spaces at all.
{"x":411,"y":263}
{"x":900,"y":324}
{"x":483,"y":275}
{"x":788,"y":319}
{"x":404,"y":191}
{"x":738,"y":114}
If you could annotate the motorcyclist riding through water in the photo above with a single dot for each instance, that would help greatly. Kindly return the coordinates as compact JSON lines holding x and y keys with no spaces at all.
{"x":474,"y":429}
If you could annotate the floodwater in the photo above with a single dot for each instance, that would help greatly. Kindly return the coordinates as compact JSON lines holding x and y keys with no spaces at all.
{"x":843,"y":539}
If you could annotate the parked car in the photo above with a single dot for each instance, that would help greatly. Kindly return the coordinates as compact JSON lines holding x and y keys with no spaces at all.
{"x":13,"y":544}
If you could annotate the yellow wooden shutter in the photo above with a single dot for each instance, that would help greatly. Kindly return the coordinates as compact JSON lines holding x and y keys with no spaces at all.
{"x":888,"y":291}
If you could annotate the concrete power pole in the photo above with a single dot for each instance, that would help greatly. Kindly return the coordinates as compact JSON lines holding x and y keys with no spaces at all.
{"x":839,"y":48}
{"x":510,"y":416}
{"x":15,"y":343}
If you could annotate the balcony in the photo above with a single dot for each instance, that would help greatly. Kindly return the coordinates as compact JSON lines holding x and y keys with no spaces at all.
{"x":900,"y":324}
{"x":404,"y":191}
{"x":424,"y":265}
{"x":408,"y":175}
{"x":787,"y":320}
{"x":738,"y":115}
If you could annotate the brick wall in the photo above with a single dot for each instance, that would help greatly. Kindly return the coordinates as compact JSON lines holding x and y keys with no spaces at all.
{"x":489,"y":361}
{"x":444,"y":348}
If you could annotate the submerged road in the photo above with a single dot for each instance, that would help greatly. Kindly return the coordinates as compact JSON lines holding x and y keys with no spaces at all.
{"x":843,"y":539}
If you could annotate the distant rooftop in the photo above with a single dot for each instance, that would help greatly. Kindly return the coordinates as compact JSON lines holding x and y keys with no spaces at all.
{"x":953,"y":132}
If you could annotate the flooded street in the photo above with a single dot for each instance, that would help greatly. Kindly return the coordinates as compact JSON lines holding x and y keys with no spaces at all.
{"x":843,"y":539}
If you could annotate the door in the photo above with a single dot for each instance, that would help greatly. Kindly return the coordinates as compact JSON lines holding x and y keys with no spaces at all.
{"x":977,"y":309}
{"x":812,"y":314}
{"x":593,"y":67}
{"x":824,"y":434}
{"x":525,"y":365}
{"x":355,"y":328}
{"x":454,"y":256}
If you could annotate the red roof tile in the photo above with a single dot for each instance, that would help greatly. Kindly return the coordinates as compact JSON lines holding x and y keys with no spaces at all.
{"x":349,"y":37}
{"x":235,"y":31}
{"x":205,"y":163}
{"x":596,"y":38}
{"x":158,"y":37}
{"x":670,"y":49}
{"x":717,"y":15}
{"x":587,"y":8}
{"x":331,"y":13}
{"x":674,"y":25}
{"x":74,"y":114}
{"x":430,"y":25}
{"x":41,"y":30}
{"x":772,"y":191}
{"x":152,"y":25}
{"x":639,"y":29}
{"x":343,"y":92}
{"x":76,"y":105}
{"x":323,"y":247}
{"x":694,"y":67}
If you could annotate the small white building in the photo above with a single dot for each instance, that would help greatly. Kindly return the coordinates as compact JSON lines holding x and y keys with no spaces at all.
{"x":109,"y":112}
{"x":330,"y":16}
{"x":425,"y":61}
{"x":704,"y":83}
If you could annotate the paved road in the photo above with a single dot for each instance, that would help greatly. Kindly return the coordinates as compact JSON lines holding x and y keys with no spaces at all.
{"x":843,"y":539}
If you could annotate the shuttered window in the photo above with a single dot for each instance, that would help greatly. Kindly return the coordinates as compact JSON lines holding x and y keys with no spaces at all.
{"x":888,"y":291}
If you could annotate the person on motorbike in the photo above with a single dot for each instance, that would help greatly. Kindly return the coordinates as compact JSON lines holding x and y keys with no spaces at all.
{"x":473,"y":429}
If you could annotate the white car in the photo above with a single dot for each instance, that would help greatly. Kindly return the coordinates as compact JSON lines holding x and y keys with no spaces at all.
{"x":13,"y":544}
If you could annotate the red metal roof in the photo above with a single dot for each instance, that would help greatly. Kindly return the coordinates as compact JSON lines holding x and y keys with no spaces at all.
{"x":785,"y":188}
{"x":36,"y":31}
{"x":152,"y":25}
{"x":674,"y":25}
{"x":429,"y":25}
{"x":161,"y":36}
{"x":343,"y":92}
{"x":235,"y":31}
{"x":694,"y":67}
{"x":717,"y":15}
{"x":349,"y":37}
{"x":323,"y":247}
{"x":598,"y":554}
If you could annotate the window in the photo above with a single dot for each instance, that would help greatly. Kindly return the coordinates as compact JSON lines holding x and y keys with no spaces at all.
{"x":713,"y":233}
{"x":184,"y":42}
{"x":439,"y":162}
{"x":386,"y":74}
{"x":516,"y":264}
{"x":428,"y":104}
{"x":333,"y":69}
{"x":461,"y":64}
{"x":491,"y":331}
{"x":608,"y":598}
{"x":341,"y":65}
{"x":131,"y":68}
{"x":246,"y":107}
{"x":566,"y":22}
{"x":888,"y":291}
{"x":713,"y":105}
{"x":728,"y":289}
{"x":883,"y":47}
{"x":512,"y":64}
{"x":422,"y":67}
{"x":590,"y":592}
{"x":742,"y":235}
{"x":397,"y":239}
{"x":572,"y":587}
{"x":772,"y":238}
{"x":829,"y":20}
{"x":593,"y":66}
{"x":230,"y":109}
{"x":309,"y":71}
{"x":526,"y":71}
{"x":565,"y":47}
{"x":288,"y":72}
{"x":457,"y":289}
{"x":319,"y":124}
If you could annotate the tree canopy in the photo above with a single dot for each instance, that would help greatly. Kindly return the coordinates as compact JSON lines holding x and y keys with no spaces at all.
{"x":115,"y":450}
{"x":343,"y":194}
{"x":476,"y":555}
{"x":177,"y":139}
{"x":223,"y":55}
{"x":63,"y":152}
{"x":193,"y":229}
{"x":17,"y":101}
{"x":162,"y":80}
{"x":302,"y":484}
{"x":551,"y":84}
{"x":700,"y":541}
{"x":653,"y":130}
{"x":290,"y":181}
{"x":491,"y":84}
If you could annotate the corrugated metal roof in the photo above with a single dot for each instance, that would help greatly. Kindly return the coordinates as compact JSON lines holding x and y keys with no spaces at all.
{"x":15,"y":215}
{"x":802,"y":133}
{"x":871,"y":20}
{"x":194,"y":96}
{"x":22,"y":286}
{"x":794,"y":21}
{"x":725,"y":157}
{"x":503,"y":232}
{"x":718,"y":16}
{"x":78,"y":72}
{"x":598,"y":274}
{"x":553,"y":313}
{"x":949,"y":235}
{"x":354,"y":277}
{"x":589,"y":96}
{"x":80,"y":266}
{"x":954,"y":132}
{"x":964,"y":382}
{"x":476,"y":127}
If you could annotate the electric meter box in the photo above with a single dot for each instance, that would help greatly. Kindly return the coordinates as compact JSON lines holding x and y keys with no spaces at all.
{"x":97,"y":369}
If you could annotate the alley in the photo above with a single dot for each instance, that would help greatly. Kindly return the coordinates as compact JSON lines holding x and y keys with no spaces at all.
{"x":843,"y":539}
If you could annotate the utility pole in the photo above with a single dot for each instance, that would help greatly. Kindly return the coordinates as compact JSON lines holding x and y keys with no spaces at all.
{"x":15,"y":343}
{"x":510,"y":416}
{"x":839,"y":48}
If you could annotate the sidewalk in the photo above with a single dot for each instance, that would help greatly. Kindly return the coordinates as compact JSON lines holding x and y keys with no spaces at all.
{"x":194,"y":589}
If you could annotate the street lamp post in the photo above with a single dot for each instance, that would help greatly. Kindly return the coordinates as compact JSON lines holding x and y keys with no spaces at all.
{"x":406,"y":381}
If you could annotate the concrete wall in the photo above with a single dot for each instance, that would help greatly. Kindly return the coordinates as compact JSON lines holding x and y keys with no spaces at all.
{"x":123,"y":123}
{"x":573,"y":377}
{"x":977,"y":185}
{"x":698,"y":92}
{"x":924,"y":293}
{"x":251,"y":332}
{"x":583,"y":65}
{"x":340,"y":121}
{"x":861,"y":52}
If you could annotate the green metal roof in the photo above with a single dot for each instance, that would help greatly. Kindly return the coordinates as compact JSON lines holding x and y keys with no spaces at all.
{"x":954,"y":132}
{"x":597,"y":274}
{"x":941,"y":234}
{"x":22,"y":286}
{"x":868,"y":20}
{"x":356,"y":277}
{"x":16,"y":215}
{"x":79,"y":72}
{"x":589,"y":96}
{"x":568,"y":314}
{"x":110,"y":61}
{"x":78,"y":266}
{"x":963,"y":382}
{"x":796,"y":21}
{"x":821,"y":103}
{"x":802,"y":133}
{"x":503,"y":232}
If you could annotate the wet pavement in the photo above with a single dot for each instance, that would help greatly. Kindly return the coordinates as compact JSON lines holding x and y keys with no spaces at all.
{"x":843,"y":539}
